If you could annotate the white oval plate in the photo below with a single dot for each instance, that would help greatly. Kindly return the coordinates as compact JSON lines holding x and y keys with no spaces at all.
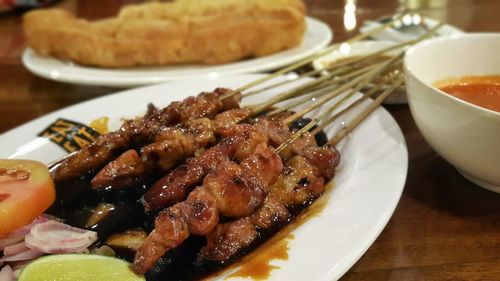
{"x":367,"y":189}
{"x":316,"y":37}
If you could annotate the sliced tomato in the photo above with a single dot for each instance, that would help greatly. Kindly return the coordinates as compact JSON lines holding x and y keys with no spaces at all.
{"x":26,"y":191}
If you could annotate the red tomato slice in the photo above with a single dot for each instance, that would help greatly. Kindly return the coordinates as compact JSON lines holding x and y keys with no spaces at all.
{"x":26,"y":191}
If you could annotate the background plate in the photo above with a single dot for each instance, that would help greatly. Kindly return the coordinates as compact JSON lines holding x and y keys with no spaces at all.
{"x":316,"y":37}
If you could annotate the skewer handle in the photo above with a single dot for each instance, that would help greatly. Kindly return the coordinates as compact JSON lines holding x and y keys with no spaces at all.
{"x":365,"y":113}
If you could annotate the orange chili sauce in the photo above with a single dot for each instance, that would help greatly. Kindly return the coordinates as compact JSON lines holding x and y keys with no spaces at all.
{"x":483,"y":91}
{"x":259,"y":268}
{"x":257,"y":264}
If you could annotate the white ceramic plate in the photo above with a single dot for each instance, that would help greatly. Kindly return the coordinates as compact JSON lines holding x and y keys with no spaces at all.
{"x":316,"y":37}
{"x":358,"y":49}
{"x":368,"y":184}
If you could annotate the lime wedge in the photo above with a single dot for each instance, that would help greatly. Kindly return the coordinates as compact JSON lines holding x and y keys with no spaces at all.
{"x":78,"y":267}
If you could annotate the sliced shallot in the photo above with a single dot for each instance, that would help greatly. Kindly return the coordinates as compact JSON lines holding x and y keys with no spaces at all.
{"x":11,"y":239}
{"x":6,"y":274}
{"x":15,"y":249}
{"x":28,"y":254}
{"x":19,"y":234}
{"x":53,"y":237}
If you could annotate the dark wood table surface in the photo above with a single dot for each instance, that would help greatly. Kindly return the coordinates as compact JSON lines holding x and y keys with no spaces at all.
{"x":444,"y":228}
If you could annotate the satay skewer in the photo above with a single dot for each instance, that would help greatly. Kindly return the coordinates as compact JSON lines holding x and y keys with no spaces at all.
{"x":179,"y":225}
{"x":229,"y":239}
{"x":176,"y":185}
{"x":167,"y":151}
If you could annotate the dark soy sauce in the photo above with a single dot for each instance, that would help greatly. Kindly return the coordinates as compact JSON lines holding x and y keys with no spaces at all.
{"x":76,"y":202}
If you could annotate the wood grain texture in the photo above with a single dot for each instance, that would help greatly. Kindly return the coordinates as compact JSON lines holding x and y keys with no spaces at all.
{"x":444,"y":227}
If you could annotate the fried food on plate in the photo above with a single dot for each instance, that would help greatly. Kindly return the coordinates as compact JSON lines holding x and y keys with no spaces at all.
{"x":179,"y":32}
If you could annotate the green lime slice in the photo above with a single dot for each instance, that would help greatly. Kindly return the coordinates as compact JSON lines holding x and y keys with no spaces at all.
{"x":78,"y":267}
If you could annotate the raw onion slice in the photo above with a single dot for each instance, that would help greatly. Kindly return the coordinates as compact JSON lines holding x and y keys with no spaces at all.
{"x":6,"y":274}
{"x":19,"y":234}
{"x":53,"y":237}
{"x":11,"y":239}
{"x":15,"y":249}
{"x":28,"y":254}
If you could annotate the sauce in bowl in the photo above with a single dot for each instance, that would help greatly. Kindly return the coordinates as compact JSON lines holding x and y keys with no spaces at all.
{"x":483,"y":91}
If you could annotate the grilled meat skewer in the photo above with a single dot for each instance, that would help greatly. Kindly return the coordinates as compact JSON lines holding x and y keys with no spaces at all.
{"x":227,"y":240}
{"x":239,"y":142}
{"x":138,"y":132}
{"x":172,"y":226}
{"x":175,"y":186}
{"x":298,"y":184}
{"x":303,"y":179}
{"x":173,"y":145}
{"x":230,"y":190}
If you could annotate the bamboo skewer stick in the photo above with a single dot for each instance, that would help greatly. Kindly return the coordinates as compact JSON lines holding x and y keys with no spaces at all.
{"x":350,"y":127}
{"x":362,"y":85}
{"x":288,"y":95}
{"x":313,"y":91}
{"x":329,"y":84}
{"x":312,"y":57}
{"x":356,"y":121}
{"x":357,"y":83}
{"x":323,"y":89}
{"x":326,"y":113}
{"x":307,"y":87}
{"x":281,"y":83}
{"x":338,"y":67}
{"x":310,"y":94}
{"x":304,"y":100}
{"x":334,"y":117}
{"x":311,"y":124}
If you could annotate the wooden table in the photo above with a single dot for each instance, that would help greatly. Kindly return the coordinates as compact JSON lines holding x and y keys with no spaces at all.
{"x":444,"y":228}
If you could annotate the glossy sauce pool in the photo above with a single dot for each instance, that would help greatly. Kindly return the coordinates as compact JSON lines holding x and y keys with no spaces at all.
{"x":483,"y":91}
{"x":258,"y":264}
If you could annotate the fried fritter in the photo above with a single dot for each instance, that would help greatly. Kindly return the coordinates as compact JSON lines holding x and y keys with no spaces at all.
{"x":179,"y":32}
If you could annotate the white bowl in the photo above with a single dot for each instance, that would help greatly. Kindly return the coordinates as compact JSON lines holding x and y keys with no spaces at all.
{"x":466,"y":135}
